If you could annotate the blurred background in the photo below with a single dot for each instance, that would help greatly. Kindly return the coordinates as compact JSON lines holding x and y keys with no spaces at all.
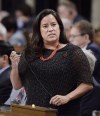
{"x":87,"y":8}
{"x":17,"y":17}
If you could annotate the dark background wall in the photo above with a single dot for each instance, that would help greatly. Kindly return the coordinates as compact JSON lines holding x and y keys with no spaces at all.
{"x":10,"y":5}
{"x":42,"y":4}
{"x":84,"y":6}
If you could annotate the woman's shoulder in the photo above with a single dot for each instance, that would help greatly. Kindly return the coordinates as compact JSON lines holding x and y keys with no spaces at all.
{"x":74,"y":46}
{"x":70,"y":46}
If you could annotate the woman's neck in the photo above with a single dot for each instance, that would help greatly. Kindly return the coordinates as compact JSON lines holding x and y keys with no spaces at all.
{"x":54,"y":46}
{"x":51,"y":46}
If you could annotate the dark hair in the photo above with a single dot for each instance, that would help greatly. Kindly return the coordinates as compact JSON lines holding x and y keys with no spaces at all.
{"x":37,"y":40}
{"x":85,"y":27}
{"x":10,"y":23}
{"x":24,"y":9}
{"x":5,"y":49}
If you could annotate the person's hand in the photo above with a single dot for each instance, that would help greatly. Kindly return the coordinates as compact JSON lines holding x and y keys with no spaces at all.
{"x":59,"y":100}
{"x":14,"y":57}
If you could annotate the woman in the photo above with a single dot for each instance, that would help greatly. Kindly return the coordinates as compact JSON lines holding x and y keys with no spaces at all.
{"x":54,"y":73}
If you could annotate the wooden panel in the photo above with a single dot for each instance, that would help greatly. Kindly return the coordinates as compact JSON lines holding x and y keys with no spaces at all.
{"x":29,"y":111}
{"x":8,"y":114}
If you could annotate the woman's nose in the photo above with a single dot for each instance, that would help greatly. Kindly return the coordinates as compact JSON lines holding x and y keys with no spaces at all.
{"x":50,"y":28}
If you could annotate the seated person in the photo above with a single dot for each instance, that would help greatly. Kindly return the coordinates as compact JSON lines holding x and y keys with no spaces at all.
{"x":90,"y":101}
{"x":5,"y":68}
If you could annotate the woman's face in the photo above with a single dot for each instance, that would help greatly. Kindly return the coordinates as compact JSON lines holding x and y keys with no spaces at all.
{"x":49,"y":29}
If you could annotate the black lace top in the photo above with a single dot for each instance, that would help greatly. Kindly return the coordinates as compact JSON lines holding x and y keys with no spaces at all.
{"x":60,"y":75}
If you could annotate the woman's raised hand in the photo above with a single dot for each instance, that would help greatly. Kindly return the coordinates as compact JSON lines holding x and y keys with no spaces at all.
{"x":14,"y":57}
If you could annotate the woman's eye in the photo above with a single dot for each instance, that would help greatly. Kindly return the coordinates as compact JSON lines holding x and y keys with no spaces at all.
{"x":53,"y":24}
{"x":45,"y":26}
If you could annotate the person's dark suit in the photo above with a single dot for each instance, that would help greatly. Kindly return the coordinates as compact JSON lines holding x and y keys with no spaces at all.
{"x":91,"y":101}
{"x":96,"y":50}
{"x":5,"y":85}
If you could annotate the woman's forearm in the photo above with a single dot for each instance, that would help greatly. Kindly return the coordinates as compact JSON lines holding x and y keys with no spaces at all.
{"x":80,"y":91}
{"x":15,"y":79}
{"x":14,"y":76}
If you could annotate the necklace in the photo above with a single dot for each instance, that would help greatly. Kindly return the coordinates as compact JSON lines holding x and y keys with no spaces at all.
{"x":51,"y":55}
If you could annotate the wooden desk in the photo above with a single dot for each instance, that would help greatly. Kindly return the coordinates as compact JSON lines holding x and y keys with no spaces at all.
{"x":18,"y":110}
{"x":29,"y":111}
{"x":2,"y":113}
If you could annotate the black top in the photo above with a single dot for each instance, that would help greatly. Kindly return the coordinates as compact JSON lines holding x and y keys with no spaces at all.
{"x":59,"y":75}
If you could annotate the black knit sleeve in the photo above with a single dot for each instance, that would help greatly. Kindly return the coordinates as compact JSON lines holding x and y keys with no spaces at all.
{"x":22,"y":64}
{"x":81,"y":66}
